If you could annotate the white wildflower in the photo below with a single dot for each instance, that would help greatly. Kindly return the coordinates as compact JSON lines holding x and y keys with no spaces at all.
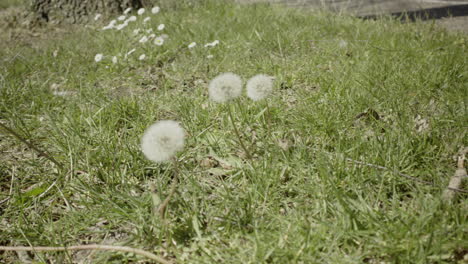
{"x":98,"y":57}
{"x":98,"y":16}
{"x":212,"y":44}
{"x":142,"y":57}
{"x":146,"y":19}
{"x":141,"y":11}
{"x":161,"y":27}
{"x":225,"y":87}
{"x":121,"y":26}
{"x":192,"y":45}
{"x":136,"y":31}
{"x":158,"y":41}
{"x":131,"y":19}
{"x":127,"y":10}
{"x":114,"y":59}
{"x":162,"y":140}
{"x":155,"y":10}
{"x":209,"y":56}
{"x":143,"y":39}
{"x":110,"y":25}
{"x":259,"y":87}
{"x":120,"y":18}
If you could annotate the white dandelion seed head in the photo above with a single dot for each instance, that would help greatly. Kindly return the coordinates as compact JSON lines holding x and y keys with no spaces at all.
{"x":150,"y":30}
{"x":259,"y":87}
{"x":114,"y":59}
{"x":161,"y":27}
{"x":162,"y":140}
{"x":131,"y":19}
{"x":155,"y":10}
{"x":127,"y":10}
{"x":122,"y":26}
{"x":98,"y":16}
{"x":159,"y":41}
{"x":120,"y":18}
{"x":152,"y":36}
{"x":143,"y":39}
{"x":225,"y":87}
{"x":146,"y":19}
{"x":136,"y":31}
{"x":141,"y":11}
{"x":192,"y":45}
{"x":142,"y":57}
{"x":98,"y":57}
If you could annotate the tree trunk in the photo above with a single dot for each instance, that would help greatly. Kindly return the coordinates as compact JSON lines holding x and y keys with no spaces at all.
{"x":75,"y":11}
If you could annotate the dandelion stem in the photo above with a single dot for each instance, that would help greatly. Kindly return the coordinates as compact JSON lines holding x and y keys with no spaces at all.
{"x":247,"y":153}
{"x":175,"y":180}
{"x":30,"y":145}
{"x":91,"y":247}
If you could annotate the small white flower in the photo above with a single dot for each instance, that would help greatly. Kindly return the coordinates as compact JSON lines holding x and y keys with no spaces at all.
{"x":98,"y":16}
{"x":259,"y":87}
{"x":114,"y":59}
{"x":98,"y":57}
{"x":146,"y":19}
{"x":136,"y":31}
{"x":155,"y":10}
{"x":162,"y":140}
{"x":192,"y":45}
{"x":212,"y":44}
{"x":143,"y":39}
{"x":127,"y":10}
{"x":141,"y":11}
{"x":161,"y":27}
{"x":225,"y":87}
{"x":209,"y":56}
{"x":158,"y":41}
{"x":110,"y":25}
{"x":121,"y":26}
{"x":120,"y":18}
{"x":142,"y":57}
{"x":131,"y":19}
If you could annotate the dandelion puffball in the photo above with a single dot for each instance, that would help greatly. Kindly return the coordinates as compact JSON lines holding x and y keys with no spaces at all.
{"x":225,"y":87}
{"x":114,"y":59}
{"x":155,"y":10}
{"x":141,"y":11}
{"x":127,"y":10}
{"x":120,"y":18}
{"x":161,"y":27}
{"x":98,"y":57}
{"x":132,"y":18}
{"x":146,"y":19}
{"x":142,"y":57}
{"x":143,"y":39}
{"x":162,"y":140}
{"x":192,"y":45}
{"x":158,"y":41}
{"x":259,"y":87}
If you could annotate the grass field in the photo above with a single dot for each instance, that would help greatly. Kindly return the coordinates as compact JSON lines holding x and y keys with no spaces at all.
{"x":379,"y":92}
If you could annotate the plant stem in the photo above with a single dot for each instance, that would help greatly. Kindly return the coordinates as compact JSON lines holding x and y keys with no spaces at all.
{"x":175,"y":180}
{"x":247,"y":153}
{"x":30,"y":145}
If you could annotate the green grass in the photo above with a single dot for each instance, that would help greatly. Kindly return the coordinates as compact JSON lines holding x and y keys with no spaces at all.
{"x":300,"y":204}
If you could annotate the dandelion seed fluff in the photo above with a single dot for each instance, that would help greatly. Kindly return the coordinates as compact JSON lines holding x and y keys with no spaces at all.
{"x":259,"y":87}
{"x":158,"y":41}
{"x":146,"y":19}
{"x":141,"y":11}
{"x":161,"y":27}
{"x":155,"y":10}
{"x":143,"y":39}
{"x":142,"y":57}
{"x":225,"y":87}
{"x":121,"y":18}
{"x":131,"y":19}
{"x":162,"y":140}
{"x":98,"y":57}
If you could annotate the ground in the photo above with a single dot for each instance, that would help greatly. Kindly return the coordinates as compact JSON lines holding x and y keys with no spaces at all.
{"x":350,"y":154}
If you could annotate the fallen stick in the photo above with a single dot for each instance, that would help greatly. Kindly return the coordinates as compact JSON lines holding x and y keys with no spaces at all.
{"x":90,"y":247}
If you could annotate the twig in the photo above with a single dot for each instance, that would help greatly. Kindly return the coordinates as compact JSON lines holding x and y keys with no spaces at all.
{"x":162,"y":207}
{"x":404,"y":175}
{"x":30,"y":145}
{"x":90,"y":247}
{"x":456,"y":180}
